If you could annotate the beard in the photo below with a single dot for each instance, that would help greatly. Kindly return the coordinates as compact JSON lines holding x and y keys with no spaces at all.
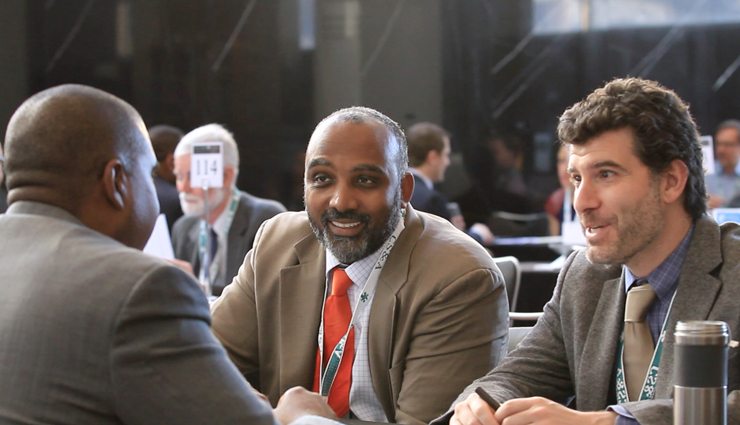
{"x":350,"y":249}
{"x":194,"y":206}
{"x":638,"y":228}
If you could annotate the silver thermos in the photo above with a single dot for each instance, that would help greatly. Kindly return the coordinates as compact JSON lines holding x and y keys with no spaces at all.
{"x":700,"y":392}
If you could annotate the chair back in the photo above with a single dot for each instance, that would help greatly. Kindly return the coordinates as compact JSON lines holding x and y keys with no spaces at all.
{"x":516,"y":335}
{"x":512,"y":273}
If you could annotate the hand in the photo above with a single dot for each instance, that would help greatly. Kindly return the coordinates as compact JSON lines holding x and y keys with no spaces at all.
{"x":484,"y":232}
{"x":541,"y":411}
{"x":473,"y":411}
{"x":297,"y":402}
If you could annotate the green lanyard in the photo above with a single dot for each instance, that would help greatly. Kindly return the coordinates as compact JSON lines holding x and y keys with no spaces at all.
{"x":327,"y":375}
{"x":208,"y":267}
{"x":651,"y":378}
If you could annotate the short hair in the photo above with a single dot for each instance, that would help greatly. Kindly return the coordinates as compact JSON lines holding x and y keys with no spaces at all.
{"x":663,"y":127}
{"x":423,"y":138}
{"x":733,"y":124}
{"x":362,"y":114}
{"x":211,"y":133}
{"x":164,"y":140}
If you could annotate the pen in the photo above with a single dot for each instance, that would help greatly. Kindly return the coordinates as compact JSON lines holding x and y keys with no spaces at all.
{"x":487,"y":398}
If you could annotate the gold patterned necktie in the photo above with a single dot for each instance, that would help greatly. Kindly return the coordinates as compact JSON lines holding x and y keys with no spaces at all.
{"x":638,"y":340}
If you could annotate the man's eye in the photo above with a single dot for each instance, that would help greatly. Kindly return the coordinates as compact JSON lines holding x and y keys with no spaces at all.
{"x":605,"y":174}
{"x":574,"y":180}
{"x":366,"y":181}
{"x":320,"y":179}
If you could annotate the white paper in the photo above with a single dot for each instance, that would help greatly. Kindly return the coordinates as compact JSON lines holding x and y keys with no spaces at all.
{"x":159,"y":243}
{"x":207,"y":165}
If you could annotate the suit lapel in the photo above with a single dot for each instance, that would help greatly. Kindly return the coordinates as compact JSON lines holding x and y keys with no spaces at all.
{"x":695,"y":296}
{"x":301,"y":293}
{"x":384,"y":309}
{"x":599,"y":352}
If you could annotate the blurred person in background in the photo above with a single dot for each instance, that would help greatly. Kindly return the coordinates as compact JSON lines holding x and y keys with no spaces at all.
{"x":429,"y":157}
{"x":724,"y":184}
{"x":164,"y":140}
{"x":560,"y":202}
{"x":229,"y":215}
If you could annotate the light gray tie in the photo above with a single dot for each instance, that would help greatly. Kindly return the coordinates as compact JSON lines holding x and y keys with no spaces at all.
{"x":638,"y":341}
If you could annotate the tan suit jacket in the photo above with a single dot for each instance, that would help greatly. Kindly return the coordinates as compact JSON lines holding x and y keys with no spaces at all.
{"x":439,"y":317}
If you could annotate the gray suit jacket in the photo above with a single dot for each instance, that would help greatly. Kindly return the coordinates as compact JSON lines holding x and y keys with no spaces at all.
{"x":571,"y":351}
{"x":93,"y":332}
{"x":438,"y":320}
{"x":250,"y":214}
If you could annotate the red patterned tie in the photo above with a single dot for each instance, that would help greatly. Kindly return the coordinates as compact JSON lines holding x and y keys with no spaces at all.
{"x":337,"y":315}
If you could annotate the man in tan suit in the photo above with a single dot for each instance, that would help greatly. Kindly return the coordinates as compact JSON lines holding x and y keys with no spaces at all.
{"x":430,"y":306}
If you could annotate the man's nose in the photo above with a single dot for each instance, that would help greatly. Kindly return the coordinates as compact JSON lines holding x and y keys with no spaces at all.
{"x":344,"y":198}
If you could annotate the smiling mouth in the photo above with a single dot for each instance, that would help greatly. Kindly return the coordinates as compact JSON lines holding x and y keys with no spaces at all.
{"x":345,"y":225}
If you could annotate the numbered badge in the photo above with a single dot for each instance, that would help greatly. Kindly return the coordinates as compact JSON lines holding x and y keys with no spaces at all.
{"x":207,"y":165}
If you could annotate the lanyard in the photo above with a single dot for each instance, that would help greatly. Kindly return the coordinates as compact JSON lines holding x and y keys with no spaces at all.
{"x":651,"y":378}
{"x":328,"y":373}
{"x":208,"y":266}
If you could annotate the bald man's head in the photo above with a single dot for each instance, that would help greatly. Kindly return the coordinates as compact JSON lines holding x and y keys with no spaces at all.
{"x":60,"y":144}
{"x":62,"y":137}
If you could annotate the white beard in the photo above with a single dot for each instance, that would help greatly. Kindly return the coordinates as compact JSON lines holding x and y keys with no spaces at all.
{"x":193,"y":205}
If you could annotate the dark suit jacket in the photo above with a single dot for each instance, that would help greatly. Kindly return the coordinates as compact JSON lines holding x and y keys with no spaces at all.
{"x":250,"y":214}
{"x":572,"y":349}
{"x":169,"y":201}
{"x":428,"y":200}
{"x":93,"y":332}
{"x":439,"y":316}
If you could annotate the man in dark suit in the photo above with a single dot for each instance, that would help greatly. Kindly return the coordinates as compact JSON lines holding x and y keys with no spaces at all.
{"x":429,"y":157}
{"x":164,"y":140}
{"x":430,"y":310}
{"x":232,"y":215}
{"x":636,"y":164}
{"x":92,"y":331}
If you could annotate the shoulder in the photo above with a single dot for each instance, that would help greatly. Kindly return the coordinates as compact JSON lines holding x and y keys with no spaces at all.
{"x":183,"y":225}
{"x":289,"y":227}
{"x":252,"y":202}
{"x":730,"y":244}
{"x":437,"y":247}
{"x":581,"y":276}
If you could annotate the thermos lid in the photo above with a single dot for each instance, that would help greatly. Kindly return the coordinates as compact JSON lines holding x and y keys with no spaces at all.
{"x":702,"y":332}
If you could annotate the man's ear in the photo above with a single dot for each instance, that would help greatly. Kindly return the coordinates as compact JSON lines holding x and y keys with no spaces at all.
{"x":407,"y":187}
{"x":115,"y":184}
{"x":229,"y":176}
{"x":432,"y":156}
{"x":674,"y":180}
{"x":169,"y":161}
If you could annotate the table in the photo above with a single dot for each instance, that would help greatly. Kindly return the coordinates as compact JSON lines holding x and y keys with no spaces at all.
{"x":528,"y":248}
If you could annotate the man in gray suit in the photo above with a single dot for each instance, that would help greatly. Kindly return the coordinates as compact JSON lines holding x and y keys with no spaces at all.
{"x":232,"y":215}
{"x":636,"y":165}
{"x":92,"y":331}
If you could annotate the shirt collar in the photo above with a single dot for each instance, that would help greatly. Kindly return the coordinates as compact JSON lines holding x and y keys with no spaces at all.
{"x":664,"y":279}
{"x":358,"y":271}
{"x":427,"y":181}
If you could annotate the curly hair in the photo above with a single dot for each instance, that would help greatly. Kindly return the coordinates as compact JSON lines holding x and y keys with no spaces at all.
{"x":663,"y":127}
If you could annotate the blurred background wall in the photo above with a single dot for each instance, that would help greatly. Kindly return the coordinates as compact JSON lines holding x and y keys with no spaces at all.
{"x":270,"y":69}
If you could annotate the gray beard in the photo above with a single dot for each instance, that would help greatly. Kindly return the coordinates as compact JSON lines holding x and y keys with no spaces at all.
{"x":349,"y":250}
